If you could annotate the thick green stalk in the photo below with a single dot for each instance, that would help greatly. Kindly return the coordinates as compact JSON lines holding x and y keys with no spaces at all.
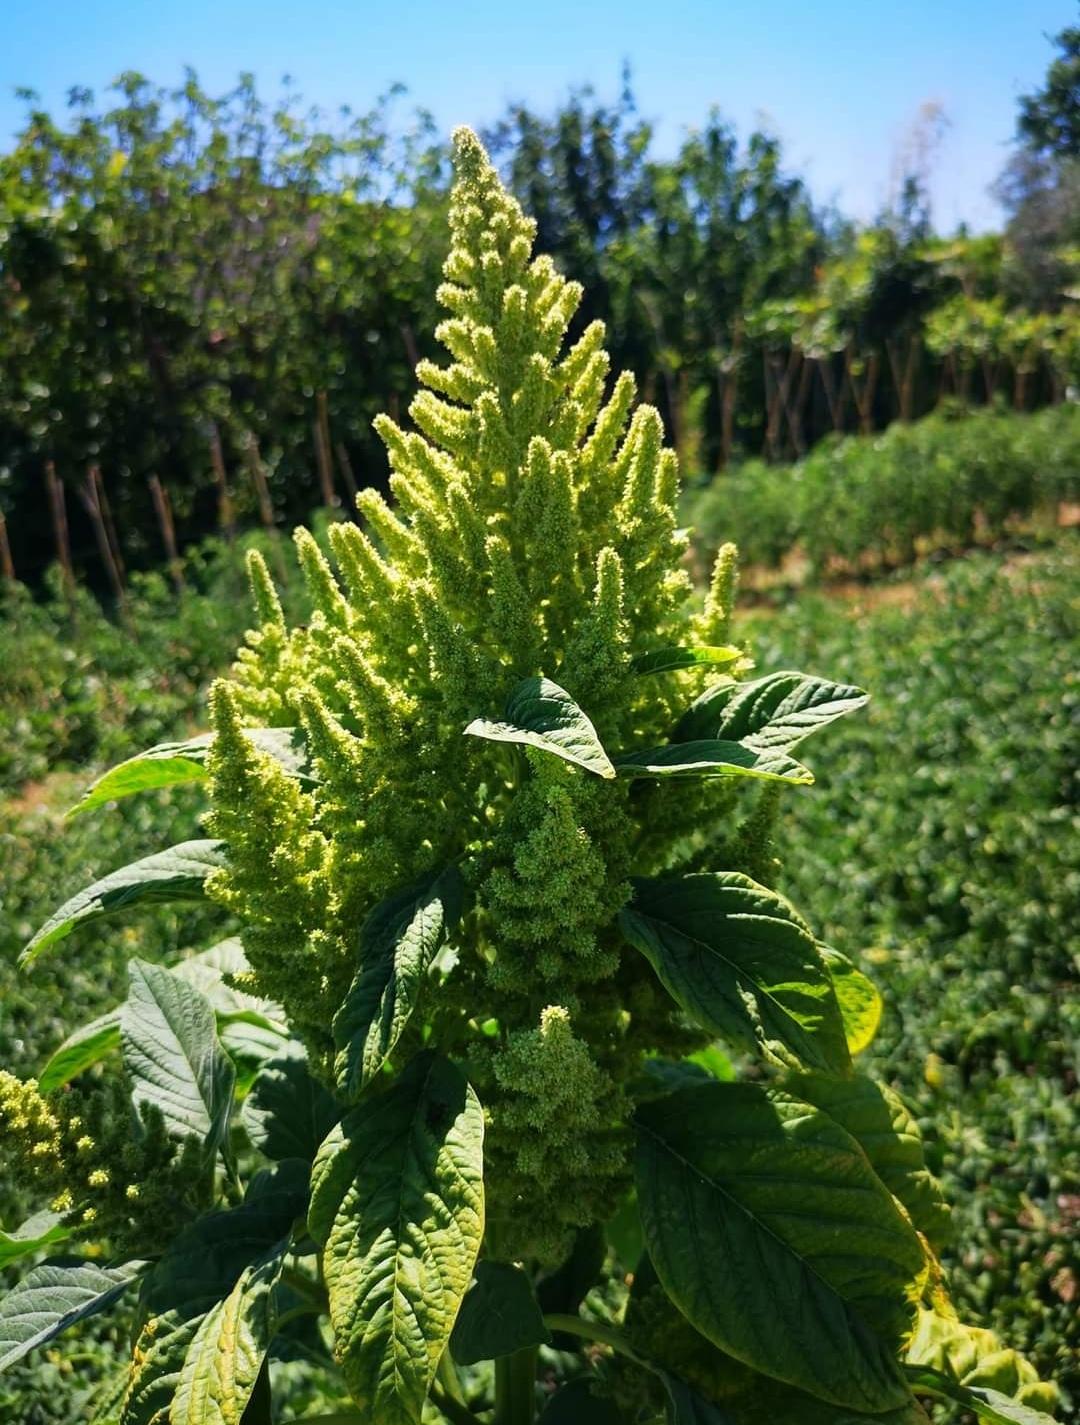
{"x":515,"y":1388}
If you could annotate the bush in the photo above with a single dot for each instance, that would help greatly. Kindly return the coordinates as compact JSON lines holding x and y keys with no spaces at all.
{"x":950,"y":480}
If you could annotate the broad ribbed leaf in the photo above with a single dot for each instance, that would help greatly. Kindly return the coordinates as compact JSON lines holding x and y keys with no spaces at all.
{"x":223,"y":1361}
{"x":860,"y":1002}
{"x":500,"y":1315}
{"x":178,"y":874}
{"x":667,"y":660}
{"x":82,"y":1049}
{"x":712,"y":759}
{"x":541,"y":714}
{"x":199,"y":1269}
{"x":42,"y":1230}
{"x":397,"y":1203}
{"x":171,"y":764}
{"x":741,"y":962}
{"x":769,"y":714}
{"x":770,"y":1402}
{"x":883,"y":1127}
{"x":772,"y":1235}
{"x":210,"y":971}
{"x":398,"y":942}
{"x":52,"y":1297}
{"x":288,"y":1113}
{"x":989,"y":1405}
{"x":173,"y":1056}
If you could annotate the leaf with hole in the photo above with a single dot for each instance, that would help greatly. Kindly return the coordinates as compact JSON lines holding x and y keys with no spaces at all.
{"x":541,"y":714}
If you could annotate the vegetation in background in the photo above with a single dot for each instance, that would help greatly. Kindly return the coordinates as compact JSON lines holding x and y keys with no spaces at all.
{"x":458,"y":883}
{"x":863,"y":503}
{"x":203,"y":301}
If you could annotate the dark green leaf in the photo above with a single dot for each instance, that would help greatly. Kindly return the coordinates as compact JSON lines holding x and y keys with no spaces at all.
{"x":769,"y":714}
{"x":541,"y":714}
{"x":666,"y":660}
{"x":577,"y":1403}
{"x":499,"y":1315}
{"x":288,"y":1113}
{"x":173,"y":1056}
{"x":397,"y":1203}
{"x":742,"y":963}
{"x":889,"y":1136}
{"x":52,"y":1297}
{"x":171,"y":764}
{"x":42,"y":1230}
{"x":79,"y":1051}
{"x":398,"y":942}
{"x":772,"y":1235}
{"x":177,"y":874}
{"x":712,"y":759}
{"x":686,"y":1407}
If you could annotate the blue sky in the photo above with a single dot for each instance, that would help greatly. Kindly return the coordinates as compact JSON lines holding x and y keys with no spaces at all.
{"x":840,"y":81}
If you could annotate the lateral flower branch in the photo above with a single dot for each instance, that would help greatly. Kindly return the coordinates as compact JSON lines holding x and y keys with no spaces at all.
{"x":495,"y":826}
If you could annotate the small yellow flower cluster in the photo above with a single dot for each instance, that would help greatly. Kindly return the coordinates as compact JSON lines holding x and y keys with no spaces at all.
{"x":76,"y":1150}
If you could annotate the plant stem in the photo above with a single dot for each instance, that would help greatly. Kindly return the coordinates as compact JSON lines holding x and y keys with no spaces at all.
{"x":515,"y":1388}
{"x":593,"y":1331}
{"x":455,"y":1413}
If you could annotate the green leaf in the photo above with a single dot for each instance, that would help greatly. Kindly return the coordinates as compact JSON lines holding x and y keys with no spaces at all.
{"x":288,"y":1113}
{"x":773,"y":713}
{"x":178,"y":874}
{"x":712,"y":759}
{"x":397,"y":1202}
{"x":576,"y":1403}
{"x":742,"y":963}
{"x":881,"y":1124}
{"x":222,"y":1363}
{"x":173,"y":1056}
{"x":860,"y":1002}
{"x":666,"y":660}
{"x":200,"y":1268}
{"x":772,"y":1235}
{"x":210,"y":971}
{"x":171,"y":764}
{"x":541,"y":714}
{"x":398,"y":942}
{"x":686,"y":1407}
{"x":54,"y":1296}
{"x":79,"y":1051}
{"x":768,"y":1402}
{"x":499,"y":1315}
{"x":985,"y":1404}
{"x":41,"y":1230}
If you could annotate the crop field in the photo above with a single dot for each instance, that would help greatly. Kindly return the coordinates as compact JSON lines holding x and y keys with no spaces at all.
{"x":939,"y":847}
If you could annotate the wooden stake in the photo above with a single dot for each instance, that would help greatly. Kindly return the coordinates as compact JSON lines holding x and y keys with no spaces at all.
{"x":258,"y":477}
{"x":110,"y":527}
{"x":58,"y":510}
{"x":7,"y":566}
{"x":345,"y":466}
{"x":92,"y":505}
{"x":226,"y":517}
{"x":320,"y":429}
{"x":163,"y":510}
